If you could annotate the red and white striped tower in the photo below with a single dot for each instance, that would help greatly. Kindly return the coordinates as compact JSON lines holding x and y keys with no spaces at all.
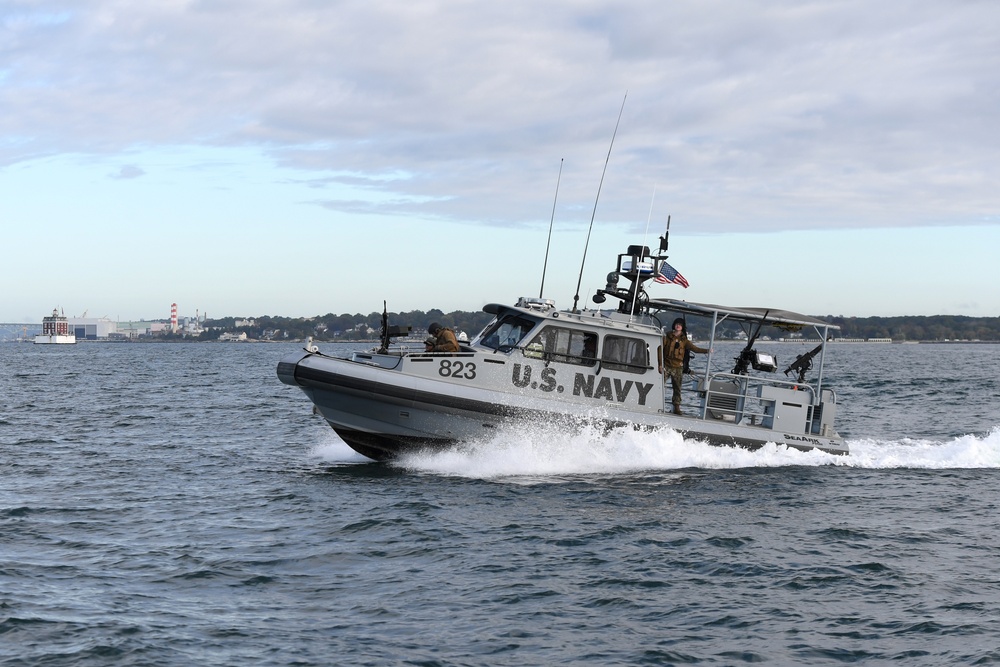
{"x":173,"y":317}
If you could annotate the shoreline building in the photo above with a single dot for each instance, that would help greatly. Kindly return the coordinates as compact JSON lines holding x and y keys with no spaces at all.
{"x":93,"y":328}
{"x":55,"y":330}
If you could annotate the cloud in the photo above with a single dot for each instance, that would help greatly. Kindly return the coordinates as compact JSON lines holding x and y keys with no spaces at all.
{"x":129,"y":171}
{"x":759,"y":115}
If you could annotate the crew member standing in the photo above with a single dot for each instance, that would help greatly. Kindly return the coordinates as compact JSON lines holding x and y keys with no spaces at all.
{"x":442,"y":339}
{"x":670,"y":356}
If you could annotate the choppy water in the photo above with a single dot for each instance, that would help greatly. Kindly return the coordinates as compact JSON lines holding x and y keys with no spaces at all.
{"x":177,"y":505}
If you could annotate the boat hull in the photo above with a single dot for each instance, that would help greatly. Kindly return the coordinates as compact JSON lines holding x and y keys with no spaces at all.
{"x":383,"y":413}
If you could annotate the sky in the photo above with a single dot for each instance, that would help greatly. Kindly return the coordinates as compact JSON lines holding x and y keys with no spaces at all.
{"x":301,"y":157}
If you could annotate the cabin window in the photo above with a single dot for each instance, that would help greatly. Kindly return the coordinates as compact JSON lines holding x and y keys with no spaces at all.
{"x":570,"y":346}
{"x":625,"y":354}
{"x":507,"y":332}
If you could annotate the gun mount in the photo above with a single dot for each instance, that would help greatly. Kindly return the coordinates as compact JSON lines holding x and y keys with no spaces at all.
{"x":387,"y":333}
{"x":803,"y":362}
{"x":750,"y":357}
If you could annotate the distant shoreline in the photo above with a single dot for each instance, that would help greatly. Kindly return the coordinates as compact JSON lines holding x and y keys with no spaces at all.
{"x":161,"y":341}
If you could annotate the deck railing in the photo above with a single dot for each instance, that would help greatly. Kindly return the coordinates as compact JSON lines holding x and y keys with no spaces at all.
{"x":757,"y":401}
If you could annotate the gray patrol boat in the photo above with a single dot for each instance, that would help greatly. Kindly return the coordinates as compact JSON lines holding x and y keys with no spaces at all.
{"x":534,"y":363}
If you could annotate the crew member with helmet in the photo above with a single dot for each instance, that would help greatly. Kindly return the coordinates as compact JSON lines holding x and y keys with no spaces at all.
{"x":671,"y":356}
{"x":442,"y":339}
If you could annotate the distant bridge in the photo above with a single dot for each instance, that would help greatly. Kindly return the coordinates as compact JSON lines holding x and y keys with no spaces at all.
{"x":14,"y":330}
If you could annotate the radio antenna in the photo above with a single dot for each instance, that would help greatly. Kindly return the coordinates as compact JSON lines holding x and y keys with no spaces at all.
{"x":552,"y":220}
{"x":665,"y":239}
{"x":576,"y":297}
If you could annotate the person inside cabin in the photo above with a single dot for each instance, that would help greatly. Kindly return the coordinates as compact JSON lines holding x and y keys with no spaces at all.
{"x":670,"y":357}
{"x":442,"y":339}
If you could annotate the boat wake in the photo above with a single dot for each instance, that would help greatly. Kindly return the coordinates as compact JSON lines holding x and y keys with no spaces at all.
{"x":966,"y":451}
{"x":541,"y":452}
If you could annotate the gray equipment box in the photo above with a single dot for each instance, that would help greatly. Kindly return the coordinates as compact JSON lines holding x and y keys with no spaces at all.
{"x":784,"y":409}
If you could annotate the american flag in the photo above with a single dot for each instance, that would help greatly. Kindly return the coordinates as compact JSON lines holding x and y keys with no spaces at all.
{"x":668,"y":274}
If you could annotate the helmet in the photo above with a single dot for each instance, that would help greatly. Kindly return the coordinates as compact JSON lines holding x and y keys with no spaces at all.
{"x":433,"y":328}
{"x":679,"y":321}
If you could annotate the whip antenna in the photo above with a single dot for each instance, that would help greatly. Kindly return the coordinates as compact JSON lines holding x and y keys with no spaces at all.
{"x":549,"y":242}
{"x":637,"y":260}
{"x":576,"y":297}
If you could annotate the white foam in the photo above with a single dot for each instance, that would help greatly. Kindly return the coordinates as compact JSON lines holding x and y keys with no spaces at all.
{"x":550,"y":455}
{"x":540,"y":452}
{"x":966,"y":451}
{"x":334,"y":450}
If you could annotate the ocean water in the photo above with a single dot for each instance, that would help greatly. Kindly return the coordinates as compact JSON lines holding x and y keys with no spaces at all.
{"x":175,"y":504}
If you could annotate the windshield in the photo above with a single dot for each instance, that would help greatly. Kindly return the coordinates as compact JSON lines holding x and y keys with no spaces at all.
{"x":507,"y":332}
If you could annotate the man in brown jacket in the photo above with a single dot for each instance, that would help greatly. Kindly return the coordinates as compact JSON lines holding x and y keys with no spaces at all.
{"x":442,"y":339}
{"x":670,"y":356}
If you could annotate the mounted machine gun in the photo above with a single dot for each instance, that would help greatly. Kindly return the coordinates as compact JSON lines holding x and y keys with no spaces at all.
{"x":803,"y":363}
{"x":750,"y":357}
{"x":387,"y":333}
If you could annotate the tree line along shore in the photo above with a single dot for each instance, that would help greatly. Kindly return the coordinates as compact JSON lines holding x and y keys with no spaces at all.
{"x":348,"y":327}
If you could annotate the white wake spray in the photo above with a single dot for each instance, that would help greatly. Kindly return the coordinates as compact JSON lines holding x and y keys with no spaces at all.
{"x":967,"y":451}
{"x":548,"y":453}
